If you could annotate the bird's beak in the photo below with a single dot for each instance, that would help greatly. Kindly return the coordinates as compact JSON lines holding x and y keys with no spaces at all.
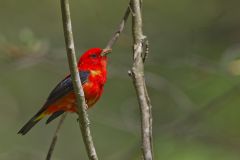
{"x":106,"y":52}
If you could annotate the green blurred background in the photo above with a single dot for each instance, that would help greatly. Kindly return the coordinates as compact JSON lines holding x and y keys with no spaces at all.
{"x":192,"y":75}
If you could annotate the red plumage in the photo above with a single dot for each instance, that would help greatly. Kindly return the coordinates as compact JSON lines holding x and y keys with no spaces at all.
{"x":93,"y":73}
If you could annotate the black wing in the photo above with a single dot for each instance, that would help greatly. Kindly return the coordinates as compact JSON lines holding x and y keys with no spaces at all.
{"x":64,"y":87}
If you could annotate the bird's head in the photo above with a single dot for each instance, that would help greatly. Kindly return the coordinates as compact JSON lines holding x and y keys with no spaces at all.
{"x":94,"y":58}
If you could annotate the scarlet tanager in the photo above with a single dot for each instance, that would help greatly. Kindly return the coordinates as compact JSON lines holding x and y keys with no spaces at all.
{"x":93,"y":73}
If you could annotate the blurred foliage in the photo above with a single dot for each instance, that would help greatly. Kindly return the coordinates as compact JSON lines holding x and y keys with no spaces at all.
{"x":192,"y":75}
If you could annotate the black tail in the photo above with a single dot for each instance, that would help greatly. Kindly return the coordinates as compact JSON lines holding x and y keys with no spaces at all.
{"x":34,"y":120}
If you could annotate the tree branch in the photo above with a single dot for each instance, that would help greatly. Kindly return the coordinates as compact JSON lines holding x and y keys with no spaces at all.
{"x":81,"y":104}
{"x":137,"y":74}
{"x":55,"y":137}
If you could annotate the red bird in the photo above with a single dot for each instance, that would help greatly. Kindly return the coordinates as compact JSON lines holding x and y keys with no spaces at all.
{"x":92,"y":70}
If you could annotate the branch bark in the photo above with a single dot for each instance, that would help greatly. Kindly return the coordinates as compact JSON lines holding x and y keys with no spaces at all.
{"x":78,"y":89}
{"x":137,"y":74}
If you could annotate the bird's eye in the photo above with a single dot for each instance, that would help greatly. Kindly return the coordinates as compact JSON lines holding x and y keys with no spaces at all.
{"x":93,"y":56}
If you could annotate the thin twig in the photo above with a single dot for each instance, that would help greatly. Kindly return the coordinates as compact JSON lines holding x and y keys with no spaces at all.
{"x":78,"y":89}
{"x":55,"y":137}
{"x":119,"y":29}
{"x":137,"y":74}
